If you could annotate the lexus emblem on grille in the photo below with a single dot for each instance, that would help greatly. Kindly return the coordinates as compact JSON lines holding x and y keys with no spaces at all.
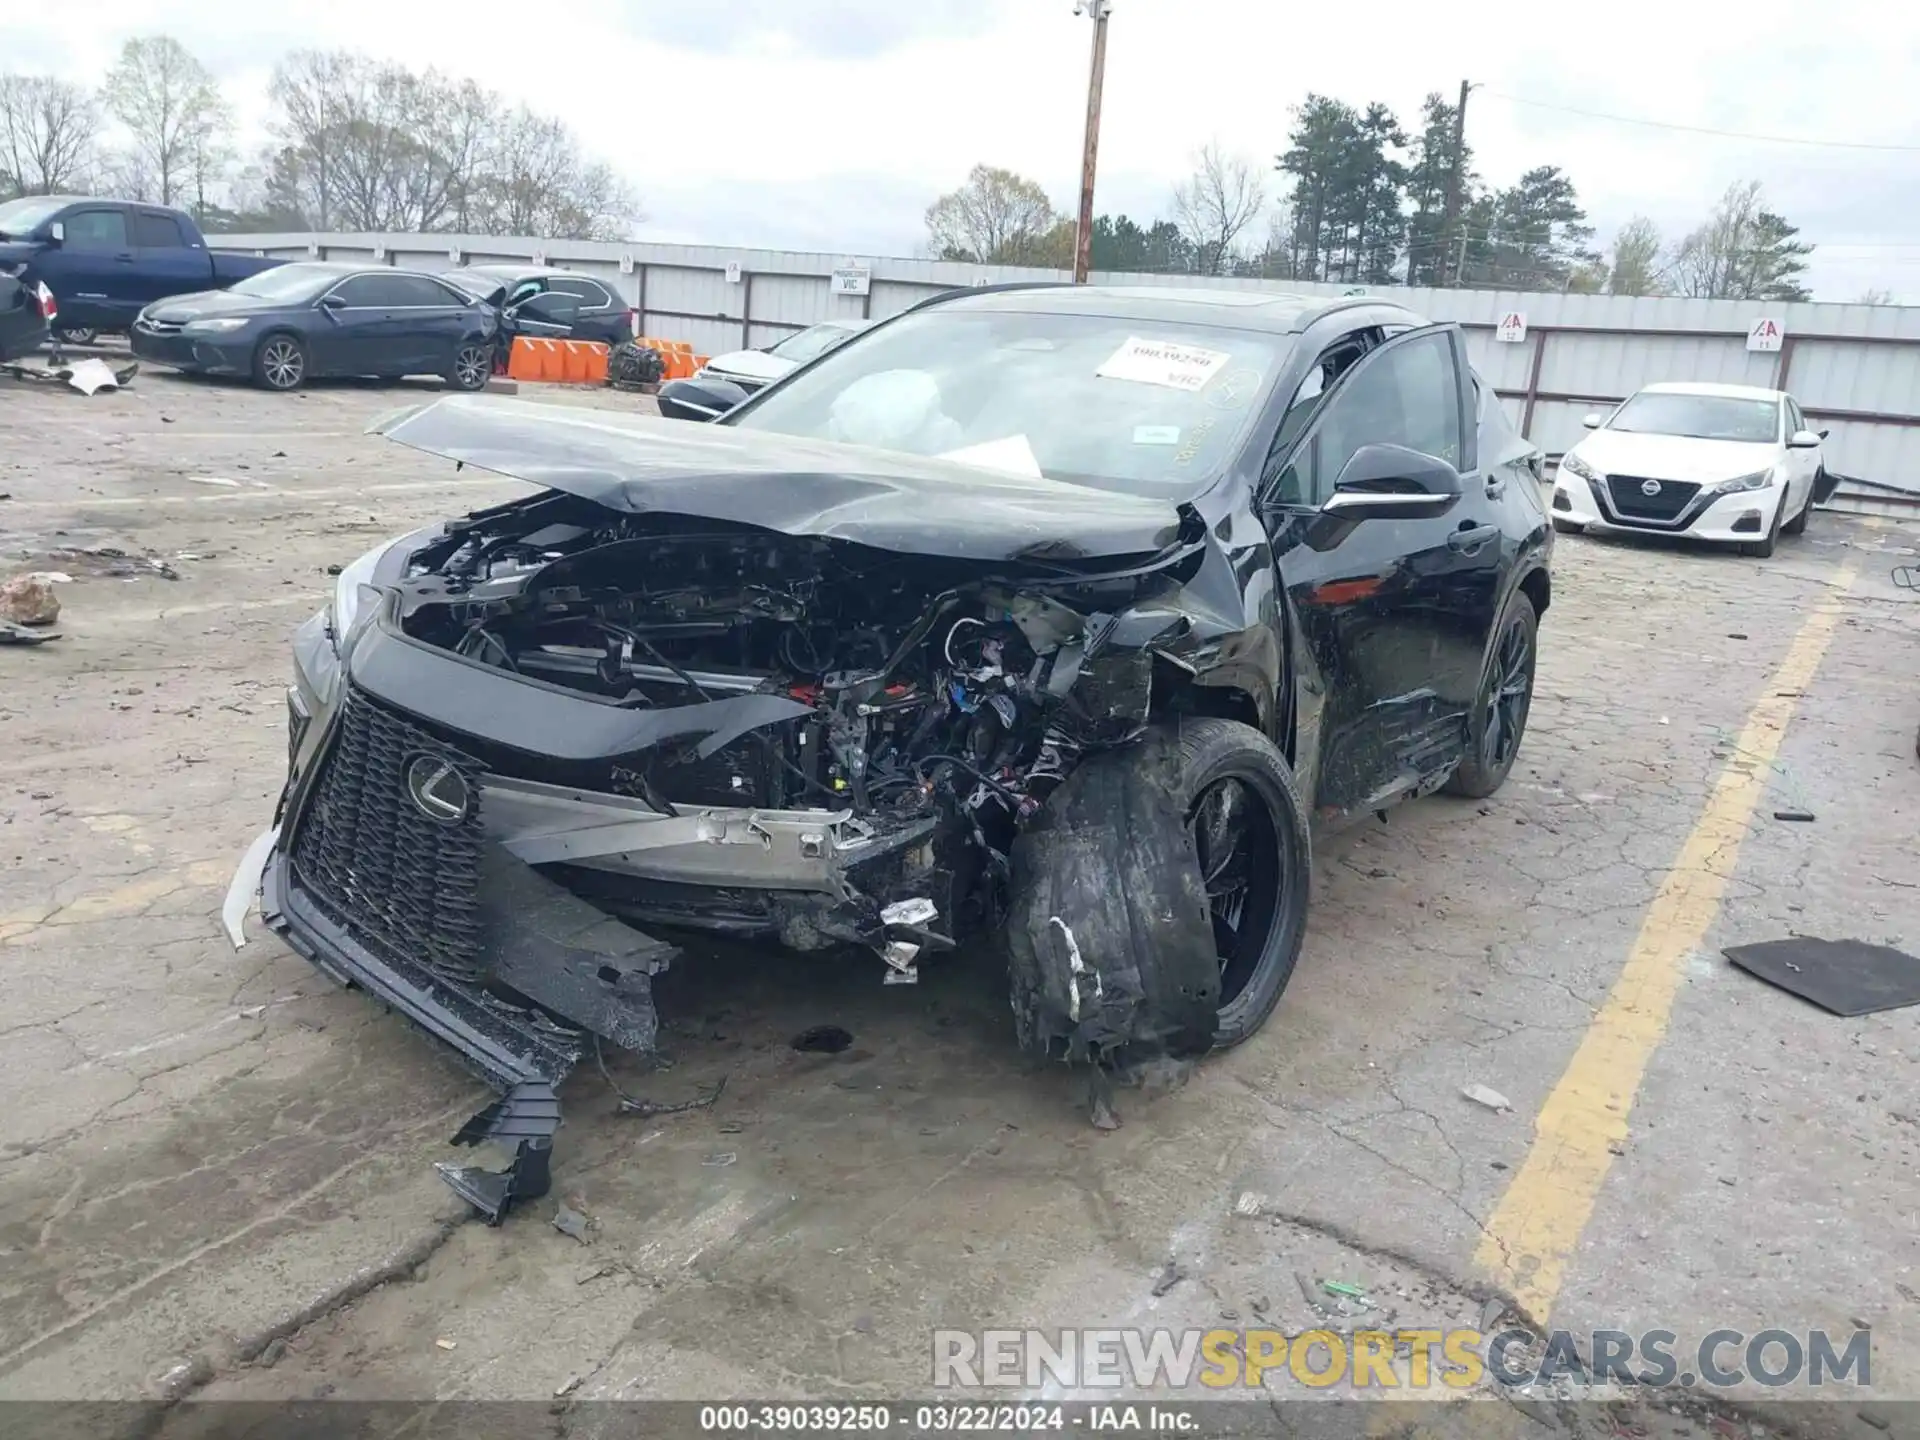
{"x":438,"y":790}
{"x":1649,"y":487}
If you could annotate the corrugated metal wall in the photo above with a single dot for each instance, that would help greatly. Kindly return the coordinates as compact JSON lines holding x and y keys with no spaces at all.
{"x":1854,"y":368}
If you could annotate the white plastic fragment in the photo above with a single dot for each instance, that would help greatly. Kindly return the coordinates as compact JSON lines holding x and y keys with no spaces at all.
{"x":1481,"y":1095}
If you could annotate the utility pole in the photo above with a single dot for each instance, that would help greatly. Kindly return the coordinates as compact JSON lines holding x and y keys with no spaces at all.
{"x":1083,"y":232}
{"x":1457,"y":179}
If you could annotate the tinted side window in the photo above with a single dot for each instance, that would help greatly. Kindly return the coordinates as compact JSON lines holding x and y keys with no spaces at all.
{"x":592,"y":296}
{"x":157,"y":232}
{"x":1406,"y":395}
{"x":1796,"y":421}
{"x":416,"y":290}
{"x":361,"y":290}
{"x":97,"y":230}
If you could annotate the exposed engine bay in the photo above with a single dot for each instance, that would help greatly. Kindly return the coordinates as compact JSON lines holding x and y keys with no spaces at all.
{"x":937,"y":706}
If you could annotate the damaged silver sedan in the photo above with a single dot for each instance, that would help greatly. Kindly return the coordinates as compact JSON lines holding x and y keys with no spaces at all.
{"x":1034,"y":621}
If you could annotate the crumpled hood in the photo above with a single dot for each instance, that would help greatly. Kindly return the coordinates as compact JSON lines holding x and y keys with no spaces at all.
{"x":641,"y":465}
{"x":1673,"y":457}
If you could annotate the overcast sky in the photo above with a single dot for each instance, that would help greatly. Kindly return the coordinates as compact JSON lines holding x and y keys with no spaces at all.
{"x":830,"y":124}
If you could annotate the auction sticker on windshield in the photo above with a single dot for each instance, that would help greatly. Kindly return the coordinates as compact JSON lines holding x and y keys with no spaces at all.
{"x":1161,"y":362}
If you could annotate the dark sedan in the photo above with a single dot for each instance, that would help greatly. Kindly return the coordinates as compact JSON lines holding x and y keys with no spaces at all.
{"x":602,"y":315}
{"x":307,"y":322}
{"x":1053,"y":617}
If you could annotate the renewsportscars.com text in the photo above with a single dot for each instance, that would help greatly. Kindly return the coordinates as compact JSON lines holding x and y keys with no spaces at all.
{"x":1394,"y":1359}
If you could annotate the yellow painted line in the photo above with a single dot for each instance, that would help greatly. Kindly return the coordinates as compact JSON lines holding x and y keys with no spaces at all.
{"x":1538,"y":1223}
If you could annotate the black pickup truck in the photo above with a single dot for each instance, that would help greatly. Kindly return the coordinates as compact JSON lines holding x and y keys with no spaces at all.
{"x":104,"y":260}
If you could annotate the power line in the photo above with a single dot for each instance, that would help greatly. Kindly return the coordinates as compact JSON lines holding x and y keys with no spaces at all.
{"x":1706,"y":129}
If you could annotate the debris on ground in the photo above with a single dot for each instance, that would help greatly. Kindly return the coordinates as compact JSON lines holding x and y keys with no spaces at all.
{"x":720,"y":1157}
{"x":823,"y":1040}
{"x":1250,"y":1204}
{"x":567,"y":1386}
{"x":1345,"y":1291}
{"x":1307,"y":1292}
{"x":1170,"y":1276}
{"x":443,"y":1343}
{"x":571,"y":1223}
{"x":1842,"y":977}
{"x":1482,"y":1095}
{"x":1800,"y":815}
{"x":29,"y":600}
{"x":12,"y":634}
{"x":87,"y":376}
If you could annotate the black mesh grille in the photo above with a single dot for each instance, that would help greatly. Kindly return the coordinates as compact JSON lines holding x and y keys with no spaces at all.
{"x":1630,"y":497}
{"x":405,"y":885}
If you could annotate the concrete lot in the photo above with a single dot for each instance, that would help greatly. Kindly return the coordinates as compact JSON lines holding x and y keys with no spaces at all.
{"x":210,"y":1153}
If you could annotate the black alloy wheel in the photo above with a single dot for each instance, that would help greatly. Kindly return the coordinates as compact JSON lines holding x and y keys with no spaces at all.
{"x":1249,"y":828}
{"x":1499,"y":720}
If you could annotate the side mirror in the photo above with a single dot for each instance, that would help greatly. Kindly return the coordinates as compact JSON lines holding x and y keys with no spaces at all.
{"x":1392,"y":482}
{"x":1823,"y":433}
{"x":1804,"y":440}
{"x":1592,"y":422}
{"x":57,"y":233}
{"x":698,"y":399}
{"x":332,"y":302}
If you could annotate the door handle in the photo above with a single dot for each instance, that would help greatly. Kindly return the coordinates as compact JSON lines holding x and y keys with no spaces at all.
{"x":1472,"y":539}
{"x":1496,"y":486}
{"x":123,"y":259}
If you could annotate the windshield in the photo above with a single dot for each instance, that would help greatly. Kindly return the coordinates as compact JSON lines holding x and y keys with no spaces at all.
{"x":1699,"y":417}
{"x":20,"y":218}
{"x":815,"y":340}
{"x":1137,"y":405}
{"x":288,"y":283}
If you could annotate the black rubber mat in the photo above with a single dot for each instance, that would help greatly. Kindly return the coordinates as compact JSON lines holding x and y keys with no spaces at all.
{"x":1845,"y":977}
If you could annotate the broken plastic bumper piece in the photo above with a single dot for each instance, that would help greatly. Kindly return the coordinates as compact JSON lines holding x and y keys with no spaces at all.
{"x":526,"y":1118}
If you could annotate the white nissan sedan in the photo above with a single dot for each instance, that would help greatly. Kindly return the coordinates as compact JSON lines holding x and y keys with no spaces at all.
{"x":1733,"y":464}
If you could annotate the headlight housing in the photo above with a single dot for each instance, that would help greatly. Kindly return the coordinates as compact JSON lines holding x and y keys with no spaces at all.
{"x":348,"y":587}
{"x":1574,"y":465}
{"x":217,"y":326}
{"x":1758,"y":480}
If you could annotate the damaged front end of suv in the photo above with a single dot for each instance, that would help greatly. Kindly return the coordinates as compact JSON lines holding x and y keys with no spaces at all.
{"x":756,"y":688}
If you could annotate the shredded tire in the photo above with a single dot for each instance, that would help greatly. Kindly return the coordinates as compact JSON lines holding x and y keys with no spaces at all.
{"x":1110,"y":939}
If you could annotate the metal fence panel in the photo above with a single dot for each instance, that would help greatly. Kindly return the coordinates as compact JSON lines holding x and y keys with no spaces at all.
{"x":1855,"y":368}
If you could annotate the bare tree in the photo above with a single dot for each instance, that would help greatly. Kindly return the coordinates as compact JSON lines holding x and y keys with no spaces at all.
{"x":537,"y":183}
{"x":172,"y":110}
{"x":1743,"y":252}
{"x":1875,"y":297}
{"x":996,"y":218}
{"x":378,"y":147}
{"x":47,"y":133}
{"x":1634,"y":267}
{"x":1223,"y":196}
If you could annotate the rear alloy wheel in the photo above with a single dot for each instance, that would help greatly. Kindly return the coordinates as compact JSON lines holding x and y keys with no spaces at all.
{"x":1499,"y":720}
{"x":76,"y":337}
{"x":280,"y":363}
{"x":1249,"y":828}
{"x":472,"y":367}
